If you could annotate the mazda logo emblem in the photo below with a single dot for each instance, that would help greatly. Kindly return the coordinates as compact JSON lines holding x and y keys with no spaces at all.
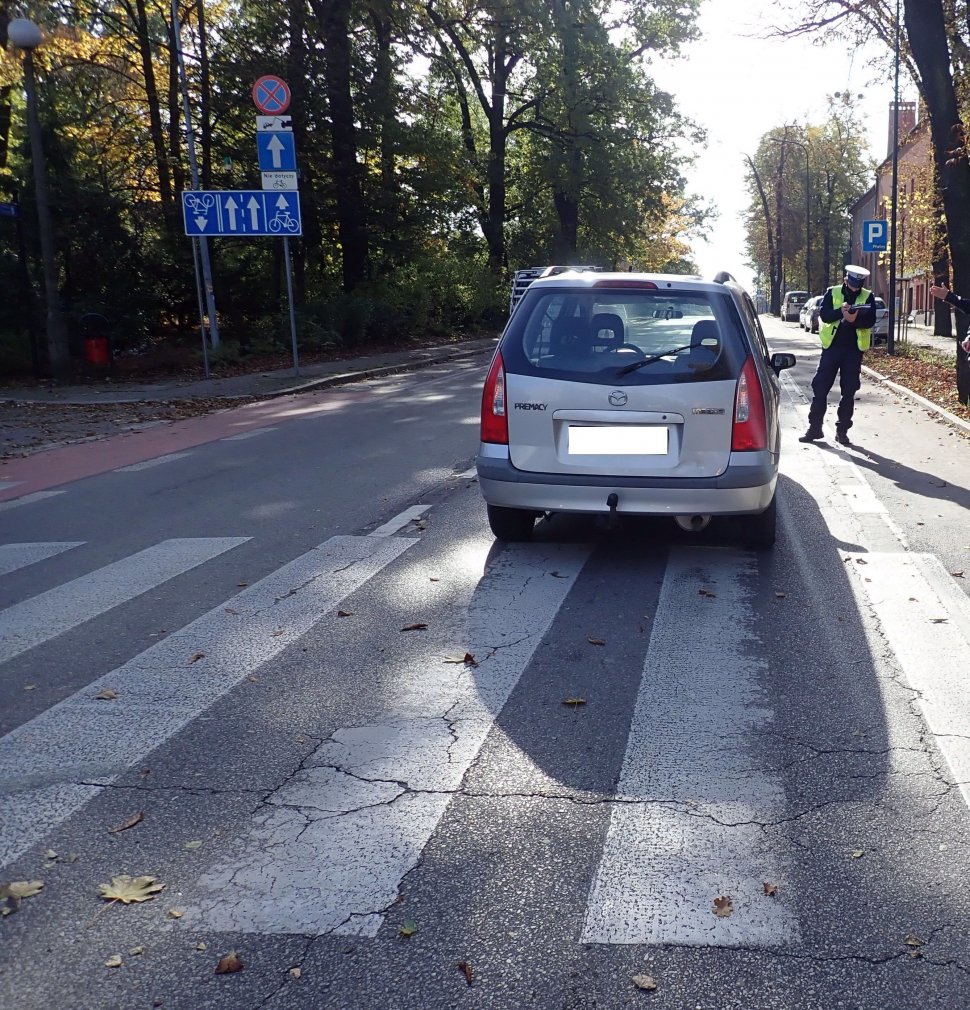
{"x":618,"y":398}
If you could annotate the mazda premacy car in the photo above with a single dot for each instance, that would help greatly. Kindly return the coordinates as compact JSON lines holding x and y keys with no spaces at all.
{"x":636,"y":394}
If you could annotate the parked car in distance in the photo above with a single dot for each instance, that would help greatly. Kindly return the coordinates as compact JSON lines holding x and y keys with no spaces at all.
{"x":880,"y":332}
{"x":792,"y":304}
{"x":632,"y":393}
{"x":808,"y":317}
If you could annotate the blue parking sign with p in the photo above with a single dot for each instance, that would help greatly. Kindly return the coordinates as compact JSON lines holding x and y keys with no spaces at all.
{"x":875,"y":236}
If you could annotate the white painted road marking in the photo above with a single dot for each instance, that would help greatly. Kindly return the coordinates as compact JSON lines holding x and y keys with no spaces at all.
{"x":50,"y":766}
{"x":691,"y":791}
{"x":246,"y":434}
{"x":329,"y":854}
{"x":14,"y":556}
{"x":5,"y":485}
{"x":149,"y":463}
{"x":926,"y":620}
{"x":400,"y":521}
{"x":41,"y":618}
{"x":29,"y":499}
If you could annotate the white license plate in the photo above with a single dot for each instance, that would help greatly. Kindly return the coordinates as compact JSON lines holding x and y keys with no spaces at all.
{"x":618,"y":440}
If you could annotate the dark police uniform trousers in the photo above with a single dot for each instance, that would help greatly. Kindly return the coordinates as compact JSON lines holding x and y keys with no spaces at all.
{"x":843,"y":358}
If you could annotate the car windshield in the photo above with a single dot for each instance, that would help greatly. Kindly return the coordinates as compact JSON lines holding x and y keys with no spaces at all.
{"x":592,"y":335}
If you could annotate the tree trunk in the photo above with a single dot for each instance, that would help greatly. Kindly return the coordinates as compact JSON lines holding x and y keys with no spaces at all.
{"x":774,"y":281}
{"x":334,"y":20}
{"x":296,"y":78}
{"x":779,"y":256}
{"x":205,"y":101}
{"x":154,"y":109}
{"x":174,"y":111}
{"x":926,"y":31}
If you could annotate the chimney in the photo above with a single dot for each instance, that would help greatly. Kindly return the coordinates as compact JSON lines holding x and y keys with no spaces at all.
{"x":907,"y":122}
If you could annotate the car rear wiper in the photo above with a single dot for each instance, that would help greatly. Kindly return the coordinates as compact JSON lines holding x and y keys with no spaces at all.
{"x":634,"y":365}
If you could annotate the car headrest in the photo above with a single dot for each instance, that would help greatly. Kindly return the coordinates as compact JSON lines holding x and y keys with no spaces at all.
{"x":607,"y":329}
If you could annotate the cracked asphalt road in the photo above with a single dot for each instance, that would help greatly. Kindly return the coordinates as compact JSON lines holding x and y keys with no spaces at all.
{"x":373,"y":815}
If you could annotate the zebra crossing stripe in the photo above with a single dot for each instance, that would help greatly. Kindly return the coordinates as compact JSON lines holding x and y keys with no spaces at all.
{"x":329,"y":849}
{"x":686,"y":824}
{"x":14,"y":556}
{"x":41,"y":618}
{"x":51,"y":765}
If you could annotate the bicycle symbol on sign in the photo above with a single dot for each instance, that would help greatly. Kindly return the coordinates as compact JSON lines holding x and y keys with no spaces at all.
{"x":200,"y":204}
{"x":284,"y":220}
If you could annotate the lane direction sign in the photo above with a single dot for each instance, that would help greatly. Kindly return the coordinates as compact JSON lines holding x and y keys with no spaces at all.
{"x":271,"y":95}
{"x":277,"y":152}
{"x":241,"y":213}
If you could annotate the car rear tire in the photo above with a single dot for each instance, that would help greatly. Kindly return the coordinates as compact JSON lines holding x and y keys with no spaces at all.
{"x":759,"y":530}
{"x":510,"y":524}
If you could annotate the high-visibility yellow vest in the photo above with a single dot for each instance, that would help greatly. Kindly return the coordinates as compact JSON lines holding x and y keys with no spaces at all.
{"x":826,"y":331}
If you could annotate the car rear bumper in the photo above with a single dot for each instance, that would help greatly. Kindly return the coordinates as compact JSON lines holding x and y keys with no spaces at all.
{"x":743,"y":488}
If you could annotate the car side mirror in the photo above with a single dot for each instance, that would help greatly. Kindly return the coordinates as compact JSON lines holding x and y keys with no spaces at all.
{"x":779,"y":362}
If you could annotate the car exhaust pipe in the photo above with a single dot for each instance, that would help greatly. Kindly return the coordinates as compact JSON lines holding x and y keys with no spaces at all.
{"x":692,"y":524}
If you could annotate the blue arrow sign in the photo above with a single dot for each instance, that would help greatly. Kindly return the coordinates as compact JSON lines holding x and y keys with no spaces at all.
{"x":9,"y":210}
{"x":277,"y":152}
{"x":875,"y":236}
{"x":244,"y":213}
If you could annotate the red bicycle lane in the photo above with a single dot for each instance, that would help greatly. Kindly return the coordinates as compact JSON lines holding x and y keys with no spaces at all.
{"x":51,"y":468}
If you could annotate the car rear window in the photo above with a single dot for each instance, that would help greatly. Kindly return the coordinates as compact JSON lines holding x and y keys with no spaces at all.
{"x":591,"y":334}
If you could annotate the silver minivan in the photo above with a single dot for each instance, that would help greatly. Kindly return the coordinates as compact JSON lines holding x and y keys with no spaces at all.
{"x":628,"y":393}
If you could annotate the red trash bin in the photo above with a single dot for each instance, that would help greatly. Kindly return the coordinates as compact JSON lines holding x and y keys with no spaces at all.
{"x":96,"y":351}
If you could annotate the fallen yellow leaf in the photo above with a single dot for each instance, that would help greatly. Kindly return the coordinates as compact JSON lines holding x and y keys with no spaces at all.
{"x":130,"y":889}
{"x":407,"y":929}
{"x":647,"y":982}
{"x":113,"y":962}
{"x":574,"y":702}
{"x":858,"y":853}
{"x":192,"y":846}
{"x":771,"y":890}
{"x":295,"y":972}
{"x":135,"y":951}
{"x":595,"y":641}
{"x":107,"y":694}
{"x":23,"y":888}
{"x":175,"y":913}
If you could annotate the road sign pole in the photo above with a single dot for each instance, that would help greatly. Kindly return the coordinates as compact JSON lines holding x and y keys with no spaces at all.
{"x":210,"y":298}
{"x":289,"y":298}
{"x":198,"y":291}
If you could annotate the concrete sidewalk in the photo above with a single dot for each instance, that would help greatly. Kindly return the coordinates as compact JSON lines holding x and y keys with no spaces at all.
{"x":258,"y":385}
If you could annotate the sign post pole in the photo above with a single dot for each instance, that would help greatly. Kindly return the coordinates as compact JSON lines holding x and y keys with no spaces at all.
{"x":289,"y":298}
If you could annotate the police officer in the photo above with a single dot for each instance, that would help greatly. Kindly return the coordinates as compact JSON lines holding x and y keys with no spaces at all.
{"x":846,"y":318}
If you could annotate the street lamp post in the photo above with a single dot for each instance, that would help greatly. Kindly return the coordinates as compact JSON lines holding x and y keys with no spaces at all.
{"x":25,"y":35}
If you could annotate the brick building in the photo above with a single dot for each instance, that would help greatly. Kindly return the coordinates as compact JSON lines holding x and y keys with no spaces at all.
{"x":914,"y":227}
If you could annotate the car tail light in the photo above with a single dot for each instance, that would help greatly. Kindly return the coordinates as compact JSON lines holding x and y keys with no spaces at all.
{"x":750,"y":422}
{"x":495,"y":423}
